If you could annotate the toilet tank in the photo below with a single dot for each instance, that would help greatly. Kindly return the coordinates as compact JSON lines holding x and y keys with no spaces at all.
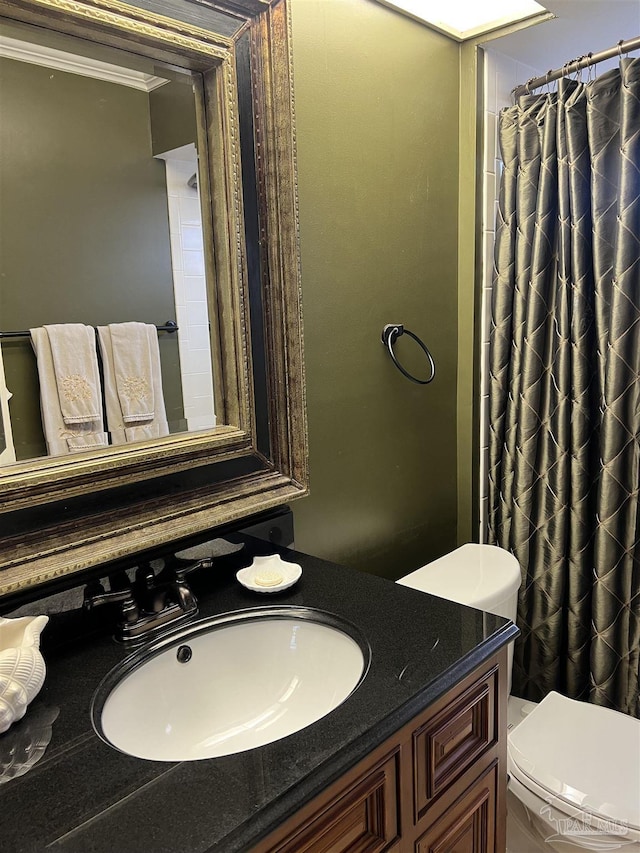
{"x":482,"y":576}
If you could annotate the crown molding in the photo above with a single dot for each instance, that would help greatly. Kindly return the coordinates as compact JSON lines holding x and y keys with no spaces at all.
{"x":37,"y":54}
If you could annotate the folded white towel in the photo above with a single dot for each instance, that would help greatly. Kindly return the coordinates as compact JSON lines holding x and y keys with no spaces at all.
{"x":62,"y":438}
{"x":133,"y":371}
{"x":7,"y":451}
{"x":75,"y":364}
{"x":124,"y":432}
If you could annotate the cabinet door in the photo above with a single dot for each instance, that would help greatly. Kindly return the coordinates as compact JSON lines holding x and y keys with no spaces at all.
{"x":449,"y":743}
{"x":363,"y":818}
{"x":469,"y":825}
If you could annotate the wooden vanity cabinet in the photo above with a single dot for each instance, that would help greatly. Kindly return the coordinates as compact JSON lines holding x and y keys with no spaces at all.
{"x":437,"y":786}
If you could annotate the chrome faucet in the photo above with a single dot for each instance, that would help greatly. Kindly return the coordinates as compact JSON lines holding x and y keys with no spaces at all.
{"x":151,"y":604}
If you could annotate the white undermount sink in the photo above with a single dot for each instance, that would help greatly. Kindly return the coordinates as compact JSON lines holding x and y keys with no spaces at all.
{"x":229,"y":684}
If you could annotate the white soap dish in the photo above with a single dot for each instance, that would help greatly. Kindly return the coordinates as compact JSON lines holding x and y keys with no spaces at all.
{"x":269,"y":574}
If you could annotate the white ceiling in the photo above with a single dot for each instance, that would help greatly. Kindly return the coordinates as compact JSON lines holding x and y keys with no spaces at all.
{"x":580,"y":27}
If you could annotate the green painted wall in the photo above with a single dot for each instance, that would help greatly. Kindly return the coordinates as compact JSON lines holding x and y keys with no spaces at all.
{"x":377,"y":99}
{"x":83,"y":223}
{"x":173,"y":115}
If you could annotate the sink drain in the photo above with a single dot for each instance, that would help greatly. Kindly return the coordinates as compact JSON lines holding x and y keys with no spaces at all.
{"x":184,"y":654}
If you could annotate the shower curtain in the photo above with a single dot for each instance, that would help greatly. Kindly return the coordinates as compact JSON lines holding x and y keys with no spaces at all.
{"x":564,"y":466}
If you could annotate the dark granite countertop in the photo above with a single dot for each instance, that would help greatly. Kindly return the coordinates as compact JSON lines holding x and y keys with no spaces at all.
{"x":86,"y":797}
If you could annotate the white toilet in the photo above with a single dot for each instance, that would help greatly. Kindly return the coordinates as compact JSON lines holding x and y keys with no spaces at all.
{"x":575,"y":767}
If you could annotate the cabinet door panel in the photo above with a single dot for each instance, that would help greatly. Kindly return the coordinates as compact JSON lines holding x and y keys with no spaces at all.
{"x":361,"y":819}
{"x":450,"y":742}
{"x":469,"y":825}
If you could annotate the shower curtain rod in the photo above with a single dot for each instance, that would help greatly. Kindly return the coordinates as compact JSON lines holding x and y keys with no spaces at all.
{"x":169,"y":326}
{"x":576,"y":65}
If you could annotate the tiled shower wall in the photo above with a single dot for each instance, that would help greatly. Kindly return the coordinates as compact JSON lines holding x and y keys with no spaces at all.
{"x":501,"y":75}
{"x":190,"y":288}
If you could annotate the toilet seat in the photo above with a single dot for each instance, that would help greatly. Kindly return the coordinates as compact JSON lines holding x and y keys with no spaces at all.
{"x":583,"y":760}
{"x":565,"y":830}
{"x":563,"y":819}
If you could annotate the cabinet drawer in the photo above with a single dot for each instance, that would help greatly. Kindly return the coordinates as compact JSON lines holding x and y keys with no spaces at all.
{"x":469,"y":825}
{"x":361,"y":819}
{"x":448,"y":743}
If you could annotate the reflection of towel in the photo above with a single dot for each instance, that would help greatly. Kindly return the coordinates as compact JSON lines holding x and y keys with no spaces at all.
{"x":131,"y":350}
{"x":119,"y":406}
{"x":64,"y":437}
{"x":73,"y":349}
{"x":7,"y":452}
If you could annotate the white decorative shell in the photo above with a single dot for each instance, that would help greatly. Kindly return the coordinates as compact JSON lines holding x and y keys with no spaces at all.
{"x":22,"y":668}
{"x":26,"y":743}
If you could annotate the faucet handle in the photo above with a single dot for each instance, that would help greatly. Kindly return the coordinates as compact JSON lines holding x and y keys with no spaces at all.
{"x":129,"y":608}
{"x":182,"y":571}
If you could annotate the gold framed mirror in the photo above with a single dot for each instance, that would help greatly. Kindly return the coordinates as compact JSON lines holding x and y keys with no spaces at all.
{"x":67,"y":512}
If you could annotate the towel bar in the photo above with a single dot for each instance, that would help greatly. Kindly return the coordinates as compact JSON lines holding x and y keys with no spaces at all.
{"x":170,"y":326}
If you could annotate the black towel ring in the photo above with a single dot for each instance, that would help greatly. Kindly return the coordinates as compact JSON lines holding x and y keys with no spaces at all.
{"x":390,"y":334}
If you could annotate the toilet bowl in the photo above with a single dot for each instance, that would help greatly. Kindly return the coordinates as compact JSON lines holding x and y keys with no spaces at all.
{"x":575,"y":767}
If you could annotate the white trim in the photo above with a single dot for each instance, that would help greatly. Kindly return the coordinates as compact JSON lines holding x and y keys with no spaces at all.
{"x":49,"y":57}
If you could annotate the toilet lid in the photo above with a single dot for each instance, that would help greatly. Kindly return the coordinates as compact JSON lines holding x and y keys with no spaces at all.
{"x":585,"y":755}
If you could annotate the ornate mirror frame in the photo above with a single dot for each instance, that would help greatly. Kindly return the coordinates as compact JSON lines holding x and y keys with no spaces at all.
{"x":66,"y":514}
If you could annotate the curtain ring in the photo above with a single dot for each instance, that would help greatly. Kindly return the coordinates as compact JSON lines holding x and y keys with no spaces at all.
{"x":620,"y":43}
{"x":390,"y":334}
{"x":578,"y":71}
{"x":547,"y":80}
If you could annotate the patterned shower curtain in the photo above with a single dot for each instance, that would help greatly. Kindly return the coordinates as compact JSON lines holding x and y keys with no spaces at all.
{"x":564,"y":468}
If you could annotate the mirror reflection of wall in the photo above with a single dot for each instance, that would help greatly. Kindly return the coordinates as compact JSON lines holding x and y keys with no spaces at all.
{"x":98,"y":224}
